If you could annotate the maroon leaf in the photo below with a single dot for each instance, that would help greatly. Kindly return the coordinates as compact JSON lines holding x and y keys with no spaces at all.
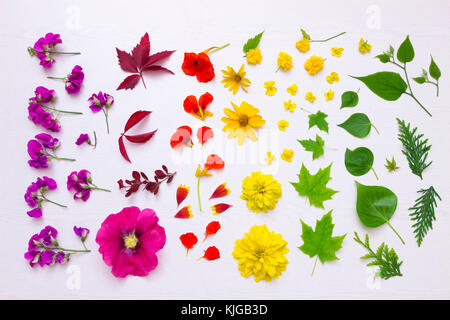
{"x":121,"y":185}
{"x":170,"y":179}
{"x":126,"y":61}
{"x":130,"y":82}
{"x":141,"y":138}
{"x":141,"y":52}
{"x":136,"y":175}
{"x":144,"y":176}
{"x":165,"y":168}
{"x":158,"y":68}
{"x":160,"y":174}
{"x":135,"y":118}
{"x":122,"y":149}
{"x":156,"y":57}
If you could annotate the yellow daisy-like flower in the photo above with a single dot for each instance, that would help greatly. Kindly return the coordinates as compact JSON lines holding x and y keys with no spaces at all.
{"x":270,"y":158}
{"x":333,"y":77}
{"x":284,"y":61}
{"x":243,"y":120}
{"x":261,"y":191}
{"x":314,"y":64}
{"x":289,"y":105}
{"x":270,"y":88}
{"x":310,"y":97}
{"x":292,"y":89}
{"x":329,"y":95}
{"x":261,"y":253}
{"x":287,"y":155}
{"x":282,"y":124}
{"x":234,"y":80}
{"x":302,"y":45}
{"x":364,"y":46}
{"x":254,"y":56}
{"x":337,"y":52}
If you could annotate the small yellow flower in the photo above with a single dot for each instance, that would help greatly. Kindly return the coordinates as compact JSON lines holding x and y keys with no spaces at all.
{"x":333,"y":77}
{"x":329,"y":95}
{"x":287,"y":155}
{"x":235,"y":80}
{"x":282,"y":125}
{"x":254,"y":56}
{"x":261,"y":191}
{"x":302,"y":45}
{"x":270,"y":88}
{"x":270,"y":158}
{"x":289,"y":105}
{"x":292,"y":89}
{"x":364,"y":46}
{"x":337,"y":52}
{"x":284,"y":61}
{"x":310,"y":97}
{"x":314,"y":64}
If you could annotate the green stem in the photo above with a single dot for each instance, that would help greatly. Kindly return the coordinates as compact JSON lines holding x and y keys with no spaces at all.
{"x":84,"y":246}
{"x":198,"y":194}
{"x":214,"y":49}
{"x":97,"y":188}
{"x":48,"y":200}
{"x":373,"y":170}
{"x":375,"y":128}
{"x":61,"y":111}
{"x":64,"y":249}
{"x":106,"y":118}
{"x":306,"y":110}
{"x":395,"y":232}
{"x":314,"y":268}
{"x":57,"y":158}
{"x":340,"y":34}
{"x":56,"y":78}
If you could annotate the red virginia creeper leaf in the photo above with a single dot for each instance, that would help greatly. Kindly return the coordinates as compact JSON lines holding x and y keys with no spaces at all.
{"x":122,"y":149}
{"x":141,"y":138}
{"x":130,"y":82}
{"x":158,"y":68}
{"x":156,"y":57}
{"x":126,"y":61}
{"x":135,"y":118}
{"x":141,"y":51}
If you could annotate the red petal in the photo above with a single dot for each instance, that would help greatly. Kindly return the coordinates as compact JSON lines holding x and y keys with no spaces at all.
{"x":214,"y":162}
{"x":205,"y":99}
{"x":212,"y":253}
{"x":212,"y":228}
{"x":158,"y":68}
{"x":135,"y":118}
{"x":189,"y":66}
{"x":184,"y":213}
{"x":220,"y":192}
{"x":156,"y":57}
{"x":122,"y":149}
{"x":190,"y":104}
{"x":130,"y":82}
{"x":204,"y":134}
{"x":126,"y":62}
{"x":181,"y":136}
{"x":189,"y":240}
{"x":182,"y":193}
{"x":141,"y":138}
{"x":220,"y":207}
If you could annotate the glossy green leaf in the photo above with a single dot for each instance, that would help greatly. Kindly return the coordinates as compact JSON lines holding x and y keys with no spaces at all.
{"x":405,"y":52}
{"x":387,"y":85}
{"x":349,"y":99}
{"x":384,"y":58}
{"x":252,"y":43}
{"x":359,"y":161}
{"x":434,"y":70}
{"x":419,"y":80}
{"x":358,"y":125}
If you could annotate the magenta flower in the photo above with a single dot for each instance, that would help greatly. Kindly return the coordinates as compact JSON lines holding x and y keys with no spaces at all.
{"x":129,"y":241}
{"x":43,"y":95}
{"x":84,"y":137}
{"x":44,"y":49}
{"x":73,"y":81}
{"x":35,"y":195}
{"x":101,"y":101}
{"x":81,"y":183}
{"x":41,"y":150}
{"x":81,"y":232}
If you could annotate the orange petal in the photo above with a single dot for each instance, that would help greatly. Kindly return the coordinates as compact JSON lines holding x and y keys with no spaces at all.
{"x":214,"y":162}
{"x":220,"y":207}
{"x":184,"y":213}
{"x":182,"y":193}
{"x":221,"y":191}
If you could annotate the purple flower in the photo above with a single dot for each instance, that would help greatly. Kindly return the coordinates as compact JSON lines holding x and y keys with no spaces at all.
{"x":42,"y":46}
{"x":82,"y":139}
{"x":48,"y":235}
{"x":81,"y":183}
{"x":40,"y":116}
{"x":35,"y":213}
{"x":81,"y":232}
{"x":74,"y":80}
{"x":34,"y":196}
{"x":43,"y":95}
{"x":47,"y":141}
{"x":61,"y":257}
{"x":101,"y":101}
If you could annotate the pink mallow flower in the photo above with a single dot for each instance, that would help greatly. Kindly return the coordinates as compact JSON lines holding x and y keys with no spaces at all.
{"x":129,"y":241}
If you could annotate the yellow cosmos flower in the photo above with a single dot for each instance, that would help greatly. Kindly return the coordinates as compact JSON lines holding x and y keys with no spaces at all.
{"x":254,"y":56}
{"x":364,"y":46}
{"x":282,"y":124}
{"x":234,"y":80}
{"x":270,"y":158}
{"x":261,"y":191}
{"x":287,"y":155}
{"x":289,"y":105}
{"x":337,"y":52}
{"x":314,"y":64}
{"x":292,"y":89}
{"x":329,"y":95}
{"x":261,"y":253}
{"x":243,"y":120}
{"x":302,"y":45}
{"x":310,"y":97}
{"x":270,"y":88}
{"x":284,"y":61}
{"x":333,"y":77}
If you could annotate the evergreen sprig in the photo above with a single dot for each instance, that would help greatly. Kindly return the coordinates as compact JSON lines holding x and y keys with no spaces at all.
{"x":416,"y":148}
{"x":423,"y":212}
{"x":386,"y":259}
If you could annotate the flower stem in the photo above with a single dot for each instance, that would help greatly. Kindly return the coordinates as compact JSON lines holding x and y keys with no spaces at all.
{"x":48,"y":200}
{"x":325,"y":40}
{"x":64,"y":249}
{"x":56,"y":78}
{"x":106,"y":118}
{"x":198,"y":194}
{"x":375,"y":128}
{"x":57,"y":158}
{"x":314,"y":268}
{"x":62,"y":111}
{"x":376,"y":176}
{"x":395,"y":232}
{"x":97,"y":188}
{"x":214,"y":49}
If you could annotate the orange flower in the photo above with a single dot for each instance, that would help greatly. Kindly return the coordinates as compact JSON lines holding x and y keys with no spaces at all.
{"x":189,"y":240}
{"x":220,"y":207}
{"x":211,"y":228}
{"x":198,"y":109}
{"x":181,"y":137}
{"x":204,"y":134}
{"x":182,"y":193}
{"x":184,"y":213}
{"x":220,"y":192}
{"x":212,"y":253}
{"x":213,"y":162}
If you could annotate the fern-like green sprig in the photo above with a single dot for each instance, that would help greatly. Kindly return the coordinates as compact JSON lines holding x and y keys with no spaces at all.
{"x":423,"y":212}
{"x":386,"y":259}
{"x":416,"y":148}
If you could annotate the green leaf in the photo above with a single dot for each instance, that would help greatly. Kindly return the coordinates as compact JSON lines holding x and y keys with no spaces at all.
{"x":359,"y":161}
{"x":384,"y":58}
{"x":320,"y":242}
{"x":318,"y":119}
{"x":252,"y":43}
{"x":405,"y":52}
{"x":314,"y":187}
{"x":391,"y":165}
{"x":315,"y":146}
{"x":387,"y":85}
{"x":358,"y":125}
{"x":419,"y":80}
{"x":435,"y":73}
{"x":349,"y":99}
{"x":305,"y":35}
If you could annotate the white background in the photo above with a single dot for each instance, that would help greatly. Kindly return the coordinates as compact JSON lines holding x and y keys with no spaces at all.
{"x":96,"y":27}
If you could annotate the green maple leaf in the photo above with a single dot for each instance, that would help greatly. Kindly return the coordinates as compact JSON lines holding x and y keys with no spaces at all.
{"x":315,"y":146}
{"x":391,"y":165}
{"x":318,"y":119}
{"x":319,"y":242}
{"x":314,"y":186}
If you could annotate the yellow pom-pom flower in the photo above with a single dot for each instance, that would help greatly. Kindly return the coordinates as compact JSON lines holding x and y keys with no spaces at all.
{"x":287,"y":155}
{"x":302,"y":45}
{"x":310,"y":97}
{"x":282,"y":124}
{"x":270,"y":88}
{"x":289,"y":105}
{"x":292,"y":90}
{"x":261,"y":191}
{"x":329,"y":95}
{"x":254,"y":56}
{"x":284,"y":61}
{"x":314,"y":64}
{"x":337,"y":52}
{"x":333,"y":77}
{"x":364,"y":46}
{"x":261,"y":253}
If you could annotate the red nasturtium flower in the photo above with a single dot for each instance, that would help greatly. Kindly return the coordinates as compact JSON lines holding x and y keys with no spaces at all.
{"x":213,"y":162}
{"x":182,"y":193}
{"x":181,"y":137}
{"x":220,"y":192}
{"x":220,"y":207}
{"x":211,"y":228}
{"x":184,"y":213}
{"x":212,"y":253}
{"x":204,"y":134}
{"x":198,"y":108}
{"x":189,"y":240}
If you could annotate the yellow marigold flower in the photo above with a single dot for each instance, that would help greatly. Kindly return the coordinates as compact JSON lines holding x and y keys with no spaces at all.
{"x":329,"y":95}
{"x":243,"y":120}
{"x":235,"y":80}
{"x":310,"y":97}
{"x":364,"y":46}
{"x":261,"y":253}
{"x":261,"y":191}
{"x":333,"y":77}
{"x":254,"y":56}
{"x":287,"y":155}
{"x":284,"y":61}
{"x":282,"y":124}
{"x":292,"y":89}
{"x":337,"y":52}
{"x":270,"y":88}
{"x":270,"y":158}
{"x":314,"y":64}
{"x":302,"y":45}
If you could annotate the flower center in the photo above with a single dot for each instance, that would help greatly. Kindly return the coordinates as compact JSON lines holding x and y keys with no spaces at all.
{"x":259,"y":253}
{"x":243,"y":120}
{"x":237,"y":78}
{"x":260,"y":189}
{"x":130,"y":241}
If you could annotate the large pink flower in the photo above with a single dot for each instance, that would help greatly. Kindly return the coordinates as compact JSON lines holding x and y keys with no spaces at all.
{"x":129,"y":241}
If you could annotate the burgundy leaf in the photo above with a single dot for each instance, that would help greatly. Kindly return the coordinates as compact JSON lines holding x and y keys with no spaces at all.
{"x":122,"y":149}
{"x":135,"y":118}
{"x":156,"y":57}
{"x":158,"y":68}
{"x":144,"y":176}
{"x":170,"y":179}
{"x":120,"y":182}
{"x":160,"y":174}
{"x":126,"y":61}
{"x":141,"y":52}
{"x":141,"y":138}
{"x":130,"y":82}
{"x":136,"y":175}
{"x":165,"y":168}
